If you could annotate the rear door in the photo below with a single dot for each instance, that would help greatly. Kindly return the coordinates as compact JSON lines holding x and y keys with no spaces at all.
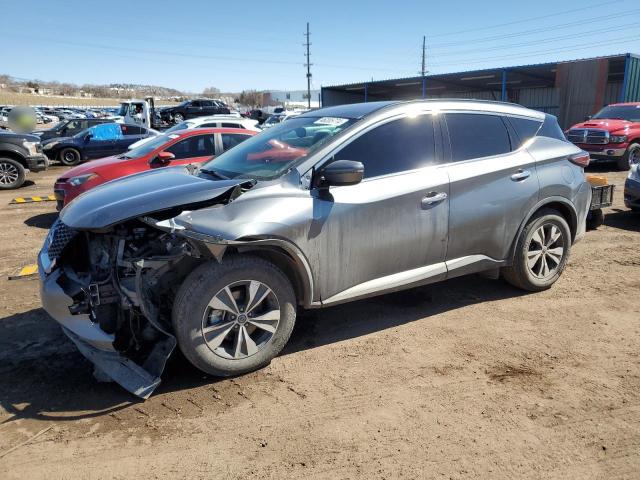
{"x":103,"y":140}
{"x":193,"y":149}
{"x":494,"y":184}
{"x":230,"y":140}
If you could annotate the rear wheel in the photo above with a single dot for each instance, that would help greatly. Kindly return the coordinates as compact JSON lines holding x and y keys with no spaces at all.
{"x":541,"y":253}
{"x":12,"y":174}
{"x":70,"y":157}
{"x":235,"y":316}
{"x":631,"y":157}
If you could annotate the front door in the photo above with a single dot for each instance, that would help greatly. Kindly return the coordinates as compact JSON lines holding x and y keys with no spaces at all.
{"x":389,"y":230}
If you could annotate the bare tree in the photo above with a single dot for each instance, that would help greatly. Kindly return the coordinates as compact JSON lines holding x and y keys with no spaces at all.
{"x":211,"y":92}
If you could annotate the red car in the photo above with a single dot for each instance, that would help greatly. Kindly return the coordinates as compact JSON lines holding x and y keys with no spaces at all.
{"x":178,"y":148}
{"x":612,"y":134}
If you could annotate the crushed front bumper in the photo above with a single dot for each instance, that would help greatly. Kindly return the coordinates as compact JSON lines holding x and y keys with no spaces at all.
{"x":94,"y":343}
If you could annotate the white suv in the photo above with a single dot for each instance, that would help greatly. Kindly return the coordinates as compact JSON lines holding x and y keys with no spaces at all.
{"x":214,"y":121}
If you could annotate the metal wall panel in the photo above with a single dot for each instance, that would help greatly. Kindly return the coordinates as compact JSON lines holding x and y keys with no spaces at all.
{"x":544,"y":99}
{"x":632,"y":80}
{"x":612,"y":92}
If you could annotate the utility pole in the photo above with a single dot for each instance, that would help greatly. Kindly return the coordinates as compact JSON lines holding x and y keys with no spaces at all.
{"x":423,"y":70}
{"x":308,"y":65}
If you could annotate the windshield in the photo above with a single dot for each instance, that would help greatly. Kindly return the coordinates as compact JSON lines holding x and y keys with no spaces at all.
{"x":124,"y":108}
{"x":621,"y":112}
{"x":274,"y":151}
{"x":273,"y":119}
{"x":149,"y":146}
{"x":180,"y":126}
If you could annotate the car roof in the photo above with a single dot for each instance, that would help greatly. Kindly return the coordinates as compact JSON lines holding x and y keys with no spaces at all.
{"x":624,"y":104}
{"x":215,"y":118}
{"x":200,"y":131}
{"x":360,"y":110}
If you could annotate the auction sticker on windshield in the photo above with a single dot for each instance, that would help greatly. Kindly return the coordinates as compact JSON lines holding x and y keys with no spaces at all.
{"x":334,"y":121}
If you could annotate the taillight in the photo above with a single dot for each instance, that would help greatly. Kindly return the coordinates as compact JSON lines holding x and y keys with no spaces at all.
{"x":581,"y":159}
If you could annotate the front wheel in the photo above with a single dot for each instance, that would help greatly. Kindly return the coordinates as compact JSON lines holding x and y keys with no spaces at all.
{"x":12,"y":174}
{"x":177,"y":118}
{"x":630,"y":158}
{"x":235,"y":316}
{"x":541,"y":253}
{"x":70,"y":157}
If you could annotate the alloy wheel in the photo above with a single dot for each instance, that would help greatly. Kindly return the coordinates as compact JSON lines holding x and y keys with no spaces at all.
{"x":546,"y":251}
{"x":240,"y":319}
{"x":634,"y":157}
{"x":8,"y":174}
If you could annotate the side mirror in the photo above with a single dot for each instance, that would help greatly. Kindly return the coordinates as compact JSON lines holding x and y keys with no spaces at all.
{"x":88,"y":137}
{"x":340,"y":173}
{"x":588,"y":117}
{"x":163,"y":158}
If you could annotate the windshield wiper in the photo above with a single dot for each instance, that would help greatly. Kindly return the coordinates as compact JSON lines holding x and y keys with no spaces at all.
{"x":214,"y":173}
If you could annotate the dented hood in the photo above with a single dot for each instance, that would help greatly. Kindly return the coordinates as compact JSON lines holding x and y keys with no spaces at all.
{"x":141,"y":194}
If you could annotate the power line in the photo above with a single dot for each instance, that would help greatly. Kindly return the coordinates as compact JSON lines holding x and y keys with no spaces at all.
{"x":541,"y":52}
{"x":545,"y":29}
{"x":524,"y":20}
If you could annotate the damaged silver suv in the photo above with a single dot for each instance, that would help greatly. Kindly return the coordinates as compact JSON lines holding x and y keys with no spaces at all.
{"x":333,"y":205}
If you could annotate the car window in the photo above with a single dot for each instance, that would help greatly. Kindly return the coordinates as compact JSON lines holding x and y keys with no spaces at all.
{"x":195,"y":103}
{"x":230,"y":140}
{"x":231,"y":125}
{"x":525,"y":128}
{"x":396,"y":146}
{"x":206,"y":103}
{"x":551,"y":129}
{"x":476,"y":135}
{"x":104,"y":131}
{"x":195,"y":146}
{"x":132,"y":130}
{"x":208,"y":125}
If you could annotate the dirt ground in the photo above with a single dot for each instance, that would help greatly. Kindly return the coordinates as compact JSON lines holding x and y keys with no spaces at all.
{"x":470,"y":378}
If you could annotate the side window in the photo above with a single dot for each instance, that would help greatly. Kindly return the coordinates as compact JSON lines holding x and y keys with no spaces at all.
{"x":525,"y":128}
{"x":196,"y":146}
{"x":132,"y":130}
{"x":475,"y":135}
{"x":551,"y":129}
{"x":231,"y":125}
{"x":396,"y":146}
{"x":208,"y":125}
{"x":195,"y":104}
{"x":106,"y":131}
{"x":206,"y":103}
{"x":230,"y":140}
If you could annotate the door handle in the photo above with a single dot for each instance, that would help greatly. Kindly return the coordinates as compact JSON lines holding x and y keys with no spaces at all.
{"x":432,"y":198}
{"x":520,"y":175}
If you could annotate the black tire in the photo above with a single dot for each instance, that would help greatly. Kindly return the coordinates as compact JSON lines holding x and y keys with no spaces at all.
{"x":202,"y":285}
{"x":519,"y":274}
{"x":70,"y":157}
{"x":624,"y":163}
{"x":12,"y":174}
{"x":595,"y":219}
{"x":177,"y":118}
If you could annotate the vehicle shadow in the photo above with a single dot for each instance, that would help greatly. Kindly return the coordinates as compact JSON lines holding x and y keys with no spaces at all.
{"x":43,"y":220}
{"x":47,"y":379}
{"x":623,"y":219}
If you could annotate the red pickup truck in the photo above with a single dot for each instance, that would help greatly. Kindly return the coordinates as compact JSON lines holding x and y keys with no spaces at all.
{"x":611,"y":134}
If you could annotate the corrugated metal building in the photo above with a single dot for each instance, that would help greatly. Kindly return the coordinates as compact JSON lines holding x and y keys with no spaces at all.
{"x":571,"y":90}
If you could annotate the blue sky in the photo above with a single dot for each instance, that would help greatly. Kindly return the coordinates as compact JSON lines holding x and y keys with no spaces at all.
{"x":192,"y":45}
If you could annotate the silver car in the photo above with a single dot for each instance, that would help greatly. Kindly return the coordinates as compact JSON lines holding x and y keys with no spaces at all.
{"x":334,"y":205}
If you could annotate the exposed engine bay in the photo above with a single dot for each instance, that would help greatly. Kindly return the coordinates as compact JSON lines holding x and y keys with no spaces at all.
{"x":125,"y":281}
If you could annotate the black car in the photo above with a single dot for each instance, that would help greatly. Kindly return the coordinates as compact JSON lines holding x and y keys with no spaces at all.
{"x":99,"y":141}
{"x":19,"y":153}
{"x":193,"y":108}
{"x":68,"y":128}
